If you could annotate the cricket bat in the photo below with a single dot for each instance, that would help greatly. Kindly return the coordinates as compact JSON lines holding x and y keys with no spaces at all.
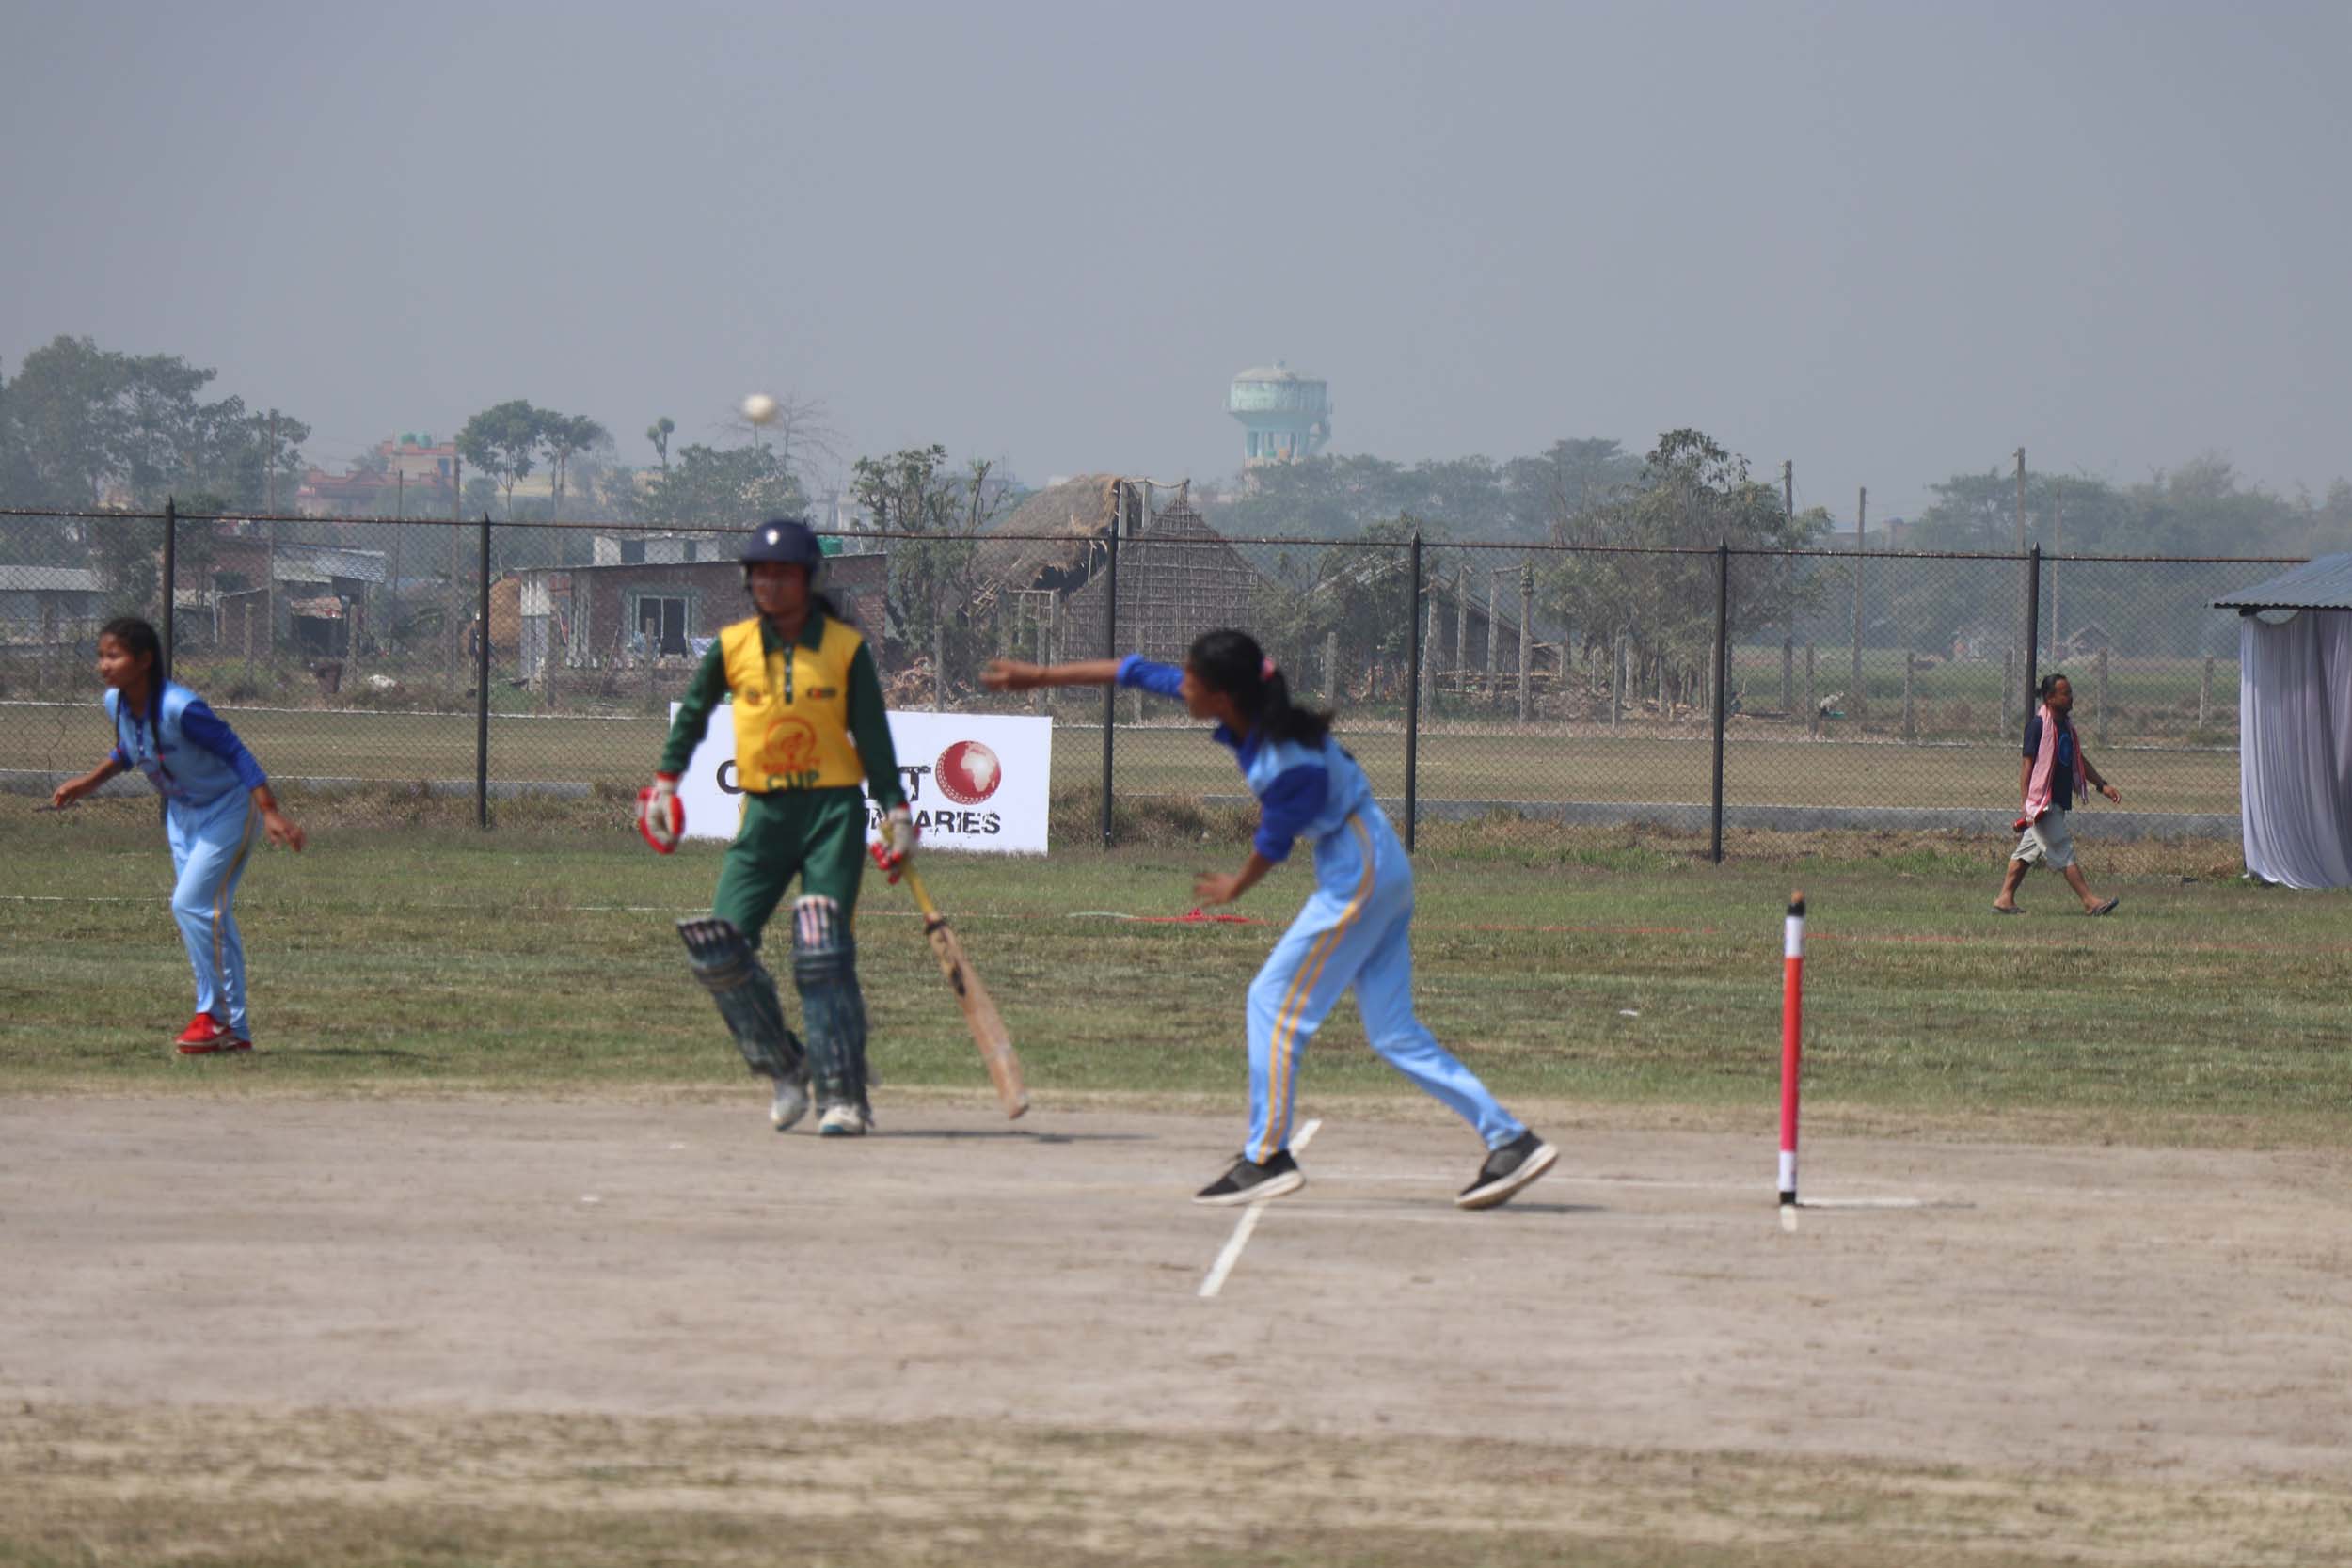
{"x":979,"y":1013}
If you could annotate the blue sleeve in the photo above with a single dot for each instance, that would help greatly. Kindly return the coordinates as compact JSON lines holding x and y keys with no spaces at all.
{"x":205,"y":728}
{"x":1294,"y":800}
{"x":2033,"y":737}
{"x":1161,"y":680}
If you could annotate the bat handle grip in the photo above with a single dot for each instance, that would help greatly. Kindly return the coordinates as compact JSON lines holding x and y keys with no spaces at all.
{"x":922,"y":895}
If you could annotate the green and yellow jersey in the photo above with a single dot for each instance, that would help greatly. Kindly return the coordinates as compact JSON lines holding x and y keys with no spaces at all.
{"x":808,"y":716}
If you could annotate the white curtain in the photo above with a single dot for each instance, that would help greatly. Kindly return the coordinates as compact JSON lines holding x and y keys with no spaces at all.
{"x":2294,"y":747}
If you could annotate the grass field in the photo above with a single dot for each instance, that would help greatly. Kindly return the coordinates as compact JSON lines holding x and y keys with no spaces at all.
{"x":536,"y":959}
{"x":488,"y":1256}
{"x":1458,"y":760}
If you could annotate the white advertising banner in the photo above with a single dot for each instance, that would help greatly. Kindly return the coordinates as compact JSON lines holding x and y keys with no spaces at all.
{"x":975,"y":781}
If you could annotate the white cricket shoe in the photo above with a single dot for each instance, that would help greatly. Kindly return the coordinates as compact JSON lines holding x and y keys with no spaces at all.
{"x":841,"y":1122}
{"x":790,"y":1104}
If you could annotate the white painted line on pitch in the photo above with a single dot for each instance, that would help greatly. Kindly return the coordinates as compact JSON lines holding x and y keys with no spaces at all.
{"x":1246,"y":1227}
{"x":1231,"y":1254}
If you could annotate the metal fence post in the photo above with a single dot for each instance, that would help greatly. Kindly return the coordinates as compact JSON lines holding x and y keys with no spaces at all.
{"x":1911,"y":721}
{"x":1527,"y":642}
{"x":1412,"y":702}
{"x":2033,"y":627}
{"x":482,"y":692}
{"x":1110,"y":650}
{"x":1812,"y":696}
{"x":171,"y":585}
{"x":1722,"y":684}
{"x":2100,"y":713}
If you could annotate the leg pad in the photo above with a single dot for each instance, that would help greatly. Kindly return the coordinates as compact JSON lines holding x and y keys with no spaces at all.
{"x":730,"y":970}
{"x":833,"y":1009}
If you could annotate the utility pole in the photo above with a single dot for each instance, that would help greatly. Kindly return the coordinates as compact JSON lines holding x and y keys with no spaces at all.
{"x":400,"y":511}
{"x":2032,"y":584}
{"x":1789,"y":641}
{"x":456,"y":547}
{"x":1860,"y":542}
{"x":2058,"y":526}
{"x":2021,"y":501}
{"x":269,"y":510}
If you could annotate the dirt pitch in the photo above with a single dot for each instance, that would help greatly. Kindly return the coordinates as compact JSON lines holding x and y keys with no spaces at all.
{"x":513,"y":1322}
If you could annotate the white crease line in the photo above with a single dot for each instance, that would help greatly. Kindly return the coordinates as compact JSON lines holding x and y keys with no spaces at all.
{"x":481,"y":909}
{"x":1246,"y":1227}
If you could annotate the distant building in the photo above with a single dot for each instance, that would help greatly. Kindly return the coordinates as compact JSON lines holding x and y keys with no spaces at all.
{"x":420,"y":460}
{"x":1285,"y":416}
{"x":49,"y":604}
{"x":412,"y":474}
{"x":660,"y":550}
{"x":623,"y":614}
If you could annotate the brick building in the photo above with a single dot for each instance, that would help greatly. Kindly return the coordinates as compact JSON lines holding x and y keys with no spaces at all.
{"x":602,"y":617}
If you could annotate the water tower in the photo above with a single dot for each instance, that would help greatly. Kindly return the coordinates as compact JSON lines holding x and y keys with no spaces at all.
{"x":1287,"y":415}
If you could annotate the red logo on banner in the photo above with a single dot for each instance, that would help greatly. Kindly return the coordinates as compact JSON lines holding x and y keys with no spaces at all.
{"x":968,"y":773}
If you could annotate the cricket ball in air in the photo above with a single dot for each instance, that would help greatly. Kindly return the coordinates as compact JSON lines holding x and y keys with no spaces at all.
{"x":759,"y":408}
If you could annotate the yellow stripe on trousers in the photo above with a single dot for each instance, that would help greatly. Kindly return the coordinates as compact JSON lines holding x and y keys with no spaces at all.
{"x":220,"y":898}
{"x":1280,"y":1079}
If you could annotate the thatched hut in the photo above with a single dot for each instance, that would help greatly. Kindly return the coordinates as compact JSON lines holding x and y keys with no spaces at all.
{"x":1177,"y":576}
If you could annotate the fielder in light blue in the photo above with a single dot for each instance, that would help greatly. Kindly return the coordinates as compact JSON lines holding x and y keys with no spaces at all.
{"x":217,"y":805}
{"x":1356,"y":929}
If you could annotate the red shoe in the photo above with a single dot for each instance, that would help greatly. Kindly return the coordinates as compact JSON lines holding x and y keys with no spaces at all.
{"x":204,"y":1036}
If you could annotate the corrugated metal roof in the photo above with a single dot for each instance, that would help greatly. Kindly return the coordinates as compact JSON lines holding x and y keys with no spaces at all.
{"x":2322,"y":583}
{"x":52,"y":579}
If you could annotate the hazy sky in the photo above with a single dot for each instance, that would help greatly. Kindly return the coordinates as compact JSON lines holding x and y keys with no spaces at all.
{"x":1886,"y":241}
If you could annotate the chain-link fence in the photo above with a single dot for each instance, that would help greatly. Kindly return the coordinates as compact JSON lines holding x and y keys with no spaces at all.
{"x":382,"y":663}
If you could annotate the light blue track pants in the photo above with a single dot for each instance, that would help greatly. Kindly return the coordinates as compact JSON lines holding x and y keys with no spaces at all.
{"x":1354,"y":932}
{"x":210,"y":846}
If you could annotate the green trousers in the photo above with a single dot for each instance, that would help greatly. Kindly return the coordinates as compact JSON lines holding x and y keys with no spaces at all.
{"x":818,"y":835}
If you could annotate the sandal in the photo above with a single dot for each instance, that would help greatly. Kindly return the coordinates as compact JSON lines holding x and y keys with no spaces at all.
{"x":2107,"y":908}
{"x":2011,"y":910}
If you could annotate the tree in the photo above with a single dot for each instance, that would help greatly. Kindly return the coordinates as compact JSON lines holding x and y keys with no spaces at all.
{"x":563,"y":436}
{"x":16,"y":462}
{"x":63,"y":403}
{"x":502,"y":443}
{"x":934,"y":600}
{"x":710,"y":488}
{"x":1550,"y":494}
{"x":801,"y":430}
{"x":659,"y":433}
{"x":1691,"y":495}
{"x":86,"y":424}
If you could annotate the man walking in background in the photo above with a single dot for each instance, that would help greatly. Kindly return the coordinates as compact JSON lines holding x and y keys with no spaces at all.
{"x":2051,"y":776}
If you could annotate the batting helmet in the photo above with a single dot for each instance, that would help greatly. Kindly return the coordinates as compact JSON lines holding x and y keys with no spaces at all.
{"x":788,"y":540}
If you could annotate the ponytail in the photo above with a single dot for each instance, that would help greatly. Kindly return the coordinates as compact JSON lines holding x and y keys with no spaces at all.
{"x":1231,"y":662}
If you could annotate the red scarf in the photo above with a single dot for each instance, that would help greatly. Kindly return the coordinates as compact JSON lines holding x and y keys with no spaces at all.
{"x":2046,"y":763}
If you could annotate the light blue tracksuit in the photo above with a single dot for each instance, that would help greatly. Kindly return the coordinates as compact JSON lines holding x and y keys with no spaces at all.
{"x":207,"y":779}
{"x":1355,"y":931}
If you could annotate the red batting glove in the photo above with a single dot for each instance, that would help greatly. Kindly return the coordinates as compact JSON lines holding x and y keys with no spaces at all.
{"x":896,"y":844}
{"x":661,"y":815}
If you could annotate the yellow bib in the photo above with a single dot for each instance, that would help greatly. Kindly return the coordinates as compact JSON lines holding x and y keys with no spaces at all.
{"x":792,"y":710}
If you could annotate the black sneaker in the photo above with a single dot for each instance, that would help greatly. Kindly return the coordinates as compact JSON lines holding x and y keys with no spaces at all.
{"x":1506,"y":1170}
{"x":1250,"y":1182}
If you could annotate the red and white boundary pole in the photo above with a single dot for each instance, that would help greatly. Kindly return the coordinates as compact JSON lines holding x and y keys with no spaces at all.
{"x":1791,"y":1044}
